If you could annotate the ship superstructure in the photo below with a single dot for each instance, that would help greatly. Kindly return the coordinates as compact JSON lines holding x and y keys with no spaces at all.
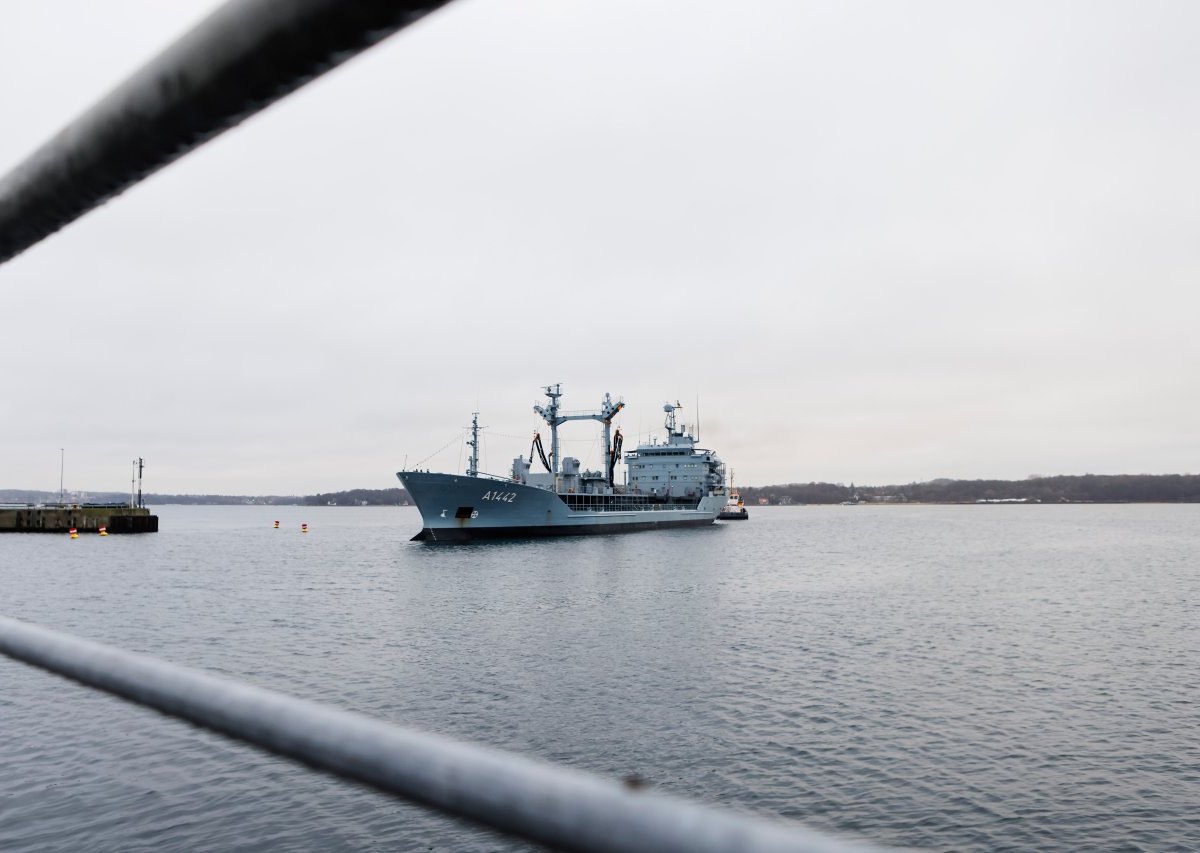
{"x":668,"y":483}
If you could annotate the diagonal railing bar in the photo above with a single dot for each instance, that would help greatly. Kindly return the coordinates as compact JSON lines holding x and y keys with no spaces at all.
{"x":242,"y":58}
{"x":555,"y":806}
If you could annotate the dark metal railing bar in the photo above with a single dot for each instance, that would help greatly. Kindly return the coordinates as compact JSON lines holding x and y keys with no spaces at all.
{"x":242,"y":58}
{"x":550,"y":805}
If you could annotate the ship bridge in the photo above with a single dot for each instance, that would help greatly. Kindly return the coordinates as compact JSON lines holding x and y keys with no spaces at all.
{"x":676,"y":468}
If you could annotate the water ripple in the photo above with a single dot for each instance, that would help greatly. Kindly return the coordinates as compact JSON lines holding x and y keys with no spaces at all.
{"x":951,"y":678}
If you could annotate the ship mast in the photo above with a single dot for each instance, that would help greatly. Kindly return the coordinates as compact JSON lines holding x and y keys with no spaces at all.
{"x":673,"y":429}
{"x":473,"y":443}
{"x":550,"y":415}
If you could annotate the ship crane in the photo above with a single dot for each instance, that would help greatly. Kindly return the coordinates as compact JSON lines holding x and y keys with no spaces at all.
{"x":553,"y":416}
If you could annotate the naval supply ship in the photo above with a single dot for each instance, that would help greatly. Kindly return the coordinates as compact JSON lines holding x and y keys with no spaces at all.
{"x":668,"y":483}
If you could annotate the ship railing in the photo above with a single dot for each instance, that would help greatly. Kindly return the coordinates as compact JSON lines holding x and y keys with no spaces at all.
{"x":584,"y":502}
{"x":574,"y":507}
{"x":503,"y":478}
{"x":539,"y":802}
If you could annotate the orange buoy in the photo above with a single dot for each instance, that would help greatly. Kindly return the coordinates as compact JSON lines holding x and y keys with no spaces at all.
{"x":304,"y":527}
{"x":103,"y":531}
{"x":74,"y":533}
{"x":277,"y":524}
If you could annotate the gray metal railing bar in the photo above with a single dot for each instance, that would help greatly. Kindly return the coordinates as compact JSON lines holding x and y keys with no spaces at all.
{"x":242,"y":58}
{"x":559,"y":807}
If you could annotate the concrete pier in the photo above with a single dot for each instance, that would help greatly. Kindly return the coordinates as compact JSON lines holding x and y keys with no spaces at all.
{"x":116,"y":518}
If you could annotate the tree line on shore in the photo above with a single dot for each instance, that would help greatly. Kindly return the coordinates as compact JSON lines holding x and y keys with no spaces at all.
{"x":352,"y":497}
{"x":1086,"y":488}
{"x":361,"y":497}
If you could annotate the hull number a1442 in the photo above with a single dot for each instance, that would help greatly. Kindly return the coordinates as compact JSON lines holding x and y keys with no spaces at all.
{"x":506,"y":497}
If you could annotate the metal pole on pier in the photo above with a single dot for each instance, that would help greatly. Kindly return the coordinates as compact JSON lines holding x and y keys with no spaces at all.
{"x":550,"y":805}
{"x":240,"y":59}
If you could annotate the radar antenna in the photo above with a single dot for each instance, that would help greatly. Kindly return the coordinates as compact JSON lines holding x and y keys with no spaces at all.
{"x":670,"y":409}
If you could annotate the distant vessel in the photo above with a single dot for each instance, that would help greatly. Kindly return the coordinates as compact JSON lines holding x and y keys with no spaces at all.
{"x":735,"y":509}
{"x":673,"y":483}
{"x":855,"y":500}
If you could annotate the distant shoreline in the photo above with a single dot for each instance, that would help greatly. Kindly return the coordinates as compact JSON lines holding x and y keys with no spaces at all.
{"x":1081,"y":489}
{"x":1066,"y":489}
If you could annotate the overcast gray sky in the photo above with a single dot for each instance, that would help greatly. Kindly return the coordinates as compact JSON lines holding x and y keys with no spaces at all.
{"x":880,"y":242}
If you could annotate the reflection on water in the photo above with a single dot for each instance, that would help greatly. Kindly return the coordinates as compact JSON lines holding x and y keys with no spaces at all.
{"x":942,"y":677}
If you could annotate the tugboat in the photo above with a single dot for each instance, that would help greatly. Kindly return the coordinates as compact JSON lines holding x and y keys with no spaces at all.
{"x":735,"y":509}
{"x":668,"y":483}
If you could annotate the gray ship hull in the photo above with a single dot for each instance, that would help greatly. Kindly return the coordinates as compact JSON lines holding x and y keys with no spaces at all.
{"x":457,"y":508}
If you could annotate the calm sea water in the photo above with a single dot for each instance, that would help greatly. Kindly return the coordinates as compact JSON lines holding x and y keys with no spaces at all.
{"x":952,"y":678}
